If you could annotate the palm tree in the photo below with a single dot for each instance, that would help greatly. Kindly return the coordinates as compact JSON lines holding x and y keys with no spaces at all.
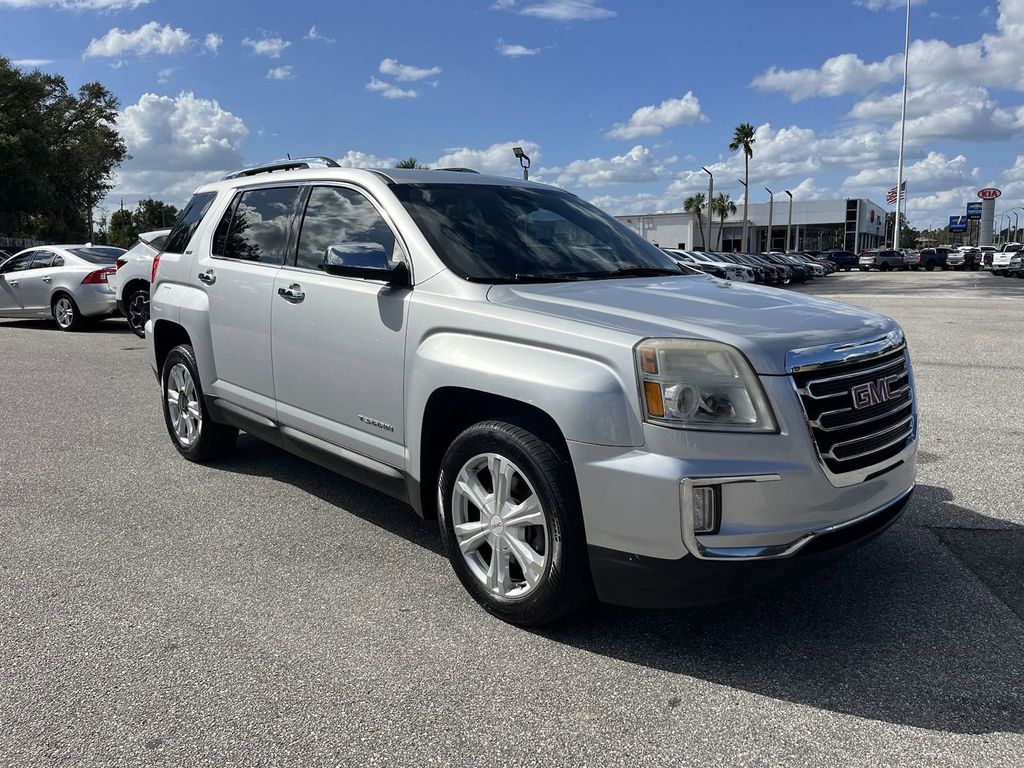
{"x":695,"y":204}
{"x":410,"y":162}
{"x":743,"y":138}
{"x":723,"y":207}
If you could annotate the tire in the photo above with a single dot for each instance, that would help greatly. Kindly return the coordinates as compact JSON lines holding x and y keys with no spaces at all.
{"x":915,"y":268}
{"x":930,"y":266}
{"x":884,"y":268}
{"x":204,"y":439}
{"x":560,"y":584}
{"x":66,"y":313}
{"x":137,"y":311}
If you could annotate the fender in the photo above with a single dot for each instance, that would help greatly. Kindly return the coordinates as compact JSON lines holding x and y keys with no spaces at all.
{"x":585,"y":397}
{"x":188,"y":307}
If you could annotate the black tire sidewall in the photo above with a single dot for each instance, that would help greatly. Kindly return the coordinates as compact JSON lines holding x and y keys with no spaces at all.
{"x":140,"y":332}
{"x":559,"y":499}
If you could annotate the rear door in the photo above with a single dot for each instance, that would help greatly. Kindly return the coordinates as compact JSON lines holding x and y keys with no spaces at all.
{"x":11,"y":276}
{"x":36,"y":282}
{"x":339,"y":351}
{"x":237,"y":274}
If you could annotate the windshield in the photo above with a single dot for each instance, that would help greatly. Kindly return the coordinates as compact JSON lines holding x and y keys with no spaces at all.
{"x":494,"y":234}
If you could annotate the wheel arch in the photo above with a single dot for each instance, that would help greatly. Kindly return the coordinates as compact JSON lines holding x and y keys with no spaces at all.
{"x":166,"y":336}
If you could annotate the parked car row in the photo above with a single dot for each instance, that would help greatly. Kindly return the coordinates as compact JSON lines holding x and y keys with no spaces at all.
{"x":764,"y":268}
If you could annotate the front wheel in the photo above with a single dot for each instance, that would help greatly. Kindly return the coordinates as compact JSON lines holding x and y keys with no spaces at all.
{"x":66,"y":313}
{"x":137,"y":309}
{"x":196,"y":436}
{"x":512,"y":526}
{"x":884,"y":268}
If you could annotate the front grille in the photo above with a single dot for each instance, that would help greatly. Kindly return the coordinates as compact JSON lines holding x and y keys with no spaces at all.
{"x":849,"y":439}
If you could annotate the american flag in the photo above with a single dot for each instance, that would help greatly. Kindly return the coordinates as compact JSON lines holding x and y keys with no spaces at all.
{"x":890,"y":199}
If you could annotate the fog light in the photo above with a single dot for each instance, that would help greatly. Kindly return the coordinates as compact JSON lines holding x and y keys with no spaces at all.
{"x":705,"y":509}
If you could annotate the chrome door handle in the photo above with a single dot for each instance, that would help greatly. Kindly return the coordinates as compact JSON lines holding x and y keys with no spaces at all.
{"x":292,"y":294}
{"x":207,"y":277}
{"x":47,"y":279}
{"x":12,"y":283}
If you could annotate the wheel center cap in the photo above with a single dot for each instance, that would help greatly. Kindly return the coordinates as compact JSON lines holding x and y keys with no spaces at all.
{"x":182,"y":402}
{"x":496,"y":525}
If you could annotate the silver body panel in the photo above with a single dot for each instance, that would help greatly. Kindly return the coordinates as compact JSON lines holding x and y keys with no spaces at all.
{"x":356,"y":363}
{"x":29,"y":293}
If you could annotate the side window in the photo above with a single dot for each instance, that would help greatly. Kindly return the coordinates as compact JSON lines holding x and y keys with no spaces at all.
{"x":188,"y":221}
{"x":18,"y":263}
{"x":42,"y":260}
{"x":58,"y":261}
{"x":258,"y":226}
{"x":337,"y":215}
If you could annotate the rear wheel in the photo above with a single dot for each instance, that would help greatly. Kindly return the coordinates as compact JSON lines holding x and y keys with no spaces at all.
{"x":884,"y":268}
{"x":137,"y":310}
{"x":66,"y":314}
{"x":930,"y":266}
{"x":196,"y":436}
{"x":512,"y":526}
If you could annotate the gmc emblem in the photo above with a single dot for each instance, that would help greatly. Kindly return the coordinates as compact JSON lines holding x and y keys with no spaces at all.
{"x":873,"y":392}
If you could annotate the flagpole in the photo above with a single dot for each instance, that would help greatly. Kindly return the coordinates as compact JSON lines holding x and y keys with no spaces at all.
{"x":903,"y":134}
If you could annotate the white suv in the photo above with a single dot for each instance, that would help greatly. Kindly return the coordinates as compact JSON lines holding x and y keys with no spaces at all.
{"x":583,"y":415}
{"x":130,"y":282}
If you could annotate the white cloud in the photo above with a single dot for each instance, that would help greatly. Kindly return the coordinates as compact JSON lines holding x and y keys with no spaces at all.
{"x":77,"y":5}
{"x":496,"y":159}
{"x":356,"y":159}
{"x":267,"y":46}
{"x":147,"y":39}
{"x":212,"y":42}
{"x":164,"y":74}
{"x":315,"y":35}
{"x":932,"y":173}
{"x":280,"y":73}
{"x":406,"y":72}
{"x":846,"y":73}
{"x":557,"y":10}
{"x":32,"y":63}
{"x":514,"y":50}
{"x":809,"y":190}
{"x":886,"y":5}
{"x":176,"y":144}
{"x":389,"y":91}
{"x":637,"y":165}
{"x":653,"y":119}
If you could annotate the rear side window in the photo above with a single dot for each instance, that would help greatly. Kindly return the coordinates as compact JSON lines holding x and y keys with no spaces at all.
{"x":188,"y":221}
{"x":336,"y":215}
{"x":255,"y":226}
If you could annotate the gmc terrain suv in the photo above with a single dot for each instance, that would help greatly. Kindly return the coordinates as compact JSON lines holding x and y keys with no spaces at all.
{"x":585,"y":417}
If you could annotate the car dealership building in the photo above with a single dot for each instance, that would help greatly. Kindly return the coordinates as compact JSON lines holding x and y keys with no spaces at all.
{"x":853,"y":224}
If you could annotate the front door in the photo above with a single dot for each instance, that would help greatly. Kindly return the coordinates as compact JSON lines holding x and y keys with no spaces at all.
{"x":339,"y":342}
{"x":11,"y":275}
{"x":237,"y":273}
{"x":36,"y":283}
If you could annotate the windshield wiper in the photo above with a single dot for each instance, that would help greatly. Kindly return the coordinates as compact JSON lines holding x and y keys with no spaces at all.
{"x":640,"y":272}
{"x":529,"y":277}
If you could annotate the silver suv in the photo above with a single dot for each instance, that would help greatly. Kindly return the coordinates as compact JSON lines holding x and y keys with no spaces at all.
{"x":585,"y":418}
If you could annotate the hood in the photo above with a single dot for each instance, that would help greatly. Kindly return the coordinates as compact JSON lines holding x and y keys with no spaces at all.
{"x":763,"y":323}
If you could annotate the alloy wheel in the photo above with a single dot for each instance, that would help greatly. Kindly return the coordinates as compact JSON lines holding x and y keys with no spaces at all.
{"x":138,"y":312}
{"x":500,"y":526}
{"x":183,"y":406}
{"x":64,"y":312}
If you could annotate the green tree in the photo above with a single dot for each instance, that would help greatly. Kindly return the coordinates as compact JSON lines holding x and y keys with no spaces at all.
{"x":743,"y":139}
{"x":153,"y":214}
{"x":411,"y":162}
{"x":723,"y":207}
{"x":58,"y":153}
{"x":695,"y":204}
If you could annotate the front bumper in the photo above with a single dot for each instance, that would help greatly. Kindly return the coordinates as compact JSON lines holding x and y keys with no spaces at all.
{"x":649,"y":582}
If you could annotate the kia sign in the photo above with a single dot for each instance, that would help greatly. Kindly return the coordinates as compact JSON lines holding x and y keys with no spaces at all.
{"x":989,"y":193}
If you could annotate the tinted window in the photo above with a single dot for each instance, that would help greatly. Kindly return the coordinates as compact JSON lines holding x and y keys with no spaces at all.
{"x":58,"y":261}
{"x":98,"y":255}
{"x":41,"y":260}
{"x":187,"y":222}
{"x":17,"y":264}
{"x":494,"y":233}
{"x":335,"y":215}
{"x":258,"y":228}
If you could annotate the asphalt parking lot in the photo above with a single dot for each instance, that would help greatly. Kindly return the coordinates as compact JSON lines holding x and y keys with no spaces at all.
{"x":263,"y":611}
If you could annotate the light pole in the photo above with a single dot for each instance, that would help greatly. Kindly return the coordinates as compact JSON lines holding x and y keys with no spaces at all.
{"x":903,"y":134}
{"x":771,"y":211}
{"x":524,"y":160}
{"x":1016,"y":222}
{"x":711,"y":197}
{"x":789,"y":221}
{"x":743,"y":244}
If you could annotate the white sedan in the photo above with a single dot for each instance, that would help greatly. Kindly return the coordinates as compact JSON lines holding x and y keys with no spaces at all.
{"x":65,"y":282}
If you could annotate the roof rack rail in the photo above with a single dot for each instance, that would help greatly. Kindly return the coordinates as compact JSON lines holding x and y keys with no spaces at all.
{"x":459,"y":170}
{"x":285,"y":165}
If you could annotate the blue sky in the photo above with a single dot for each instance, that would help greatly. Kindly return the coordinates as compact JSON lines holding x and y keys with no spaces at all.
{"x":619,"y":101}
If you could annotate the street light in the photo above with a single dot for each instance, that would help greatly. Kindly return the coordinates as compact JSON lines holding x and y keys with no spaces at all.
{"x":711,"y":196}
{"x":789,"y":222}
{"x":1016,"y":222}
{"x":743,"y":245}
{"x":1016,"y":237}
{"x":771,"y":211}
{"x":524,"y":160}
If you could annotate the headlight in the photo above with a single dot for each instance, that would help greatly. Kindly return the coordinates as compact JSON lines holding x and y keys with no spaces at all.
{"x":691,"y":384}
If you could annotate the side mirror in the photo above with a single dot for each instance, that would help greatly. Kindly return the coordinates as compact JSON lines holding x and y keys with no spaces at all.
{"x":366,"y":260}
